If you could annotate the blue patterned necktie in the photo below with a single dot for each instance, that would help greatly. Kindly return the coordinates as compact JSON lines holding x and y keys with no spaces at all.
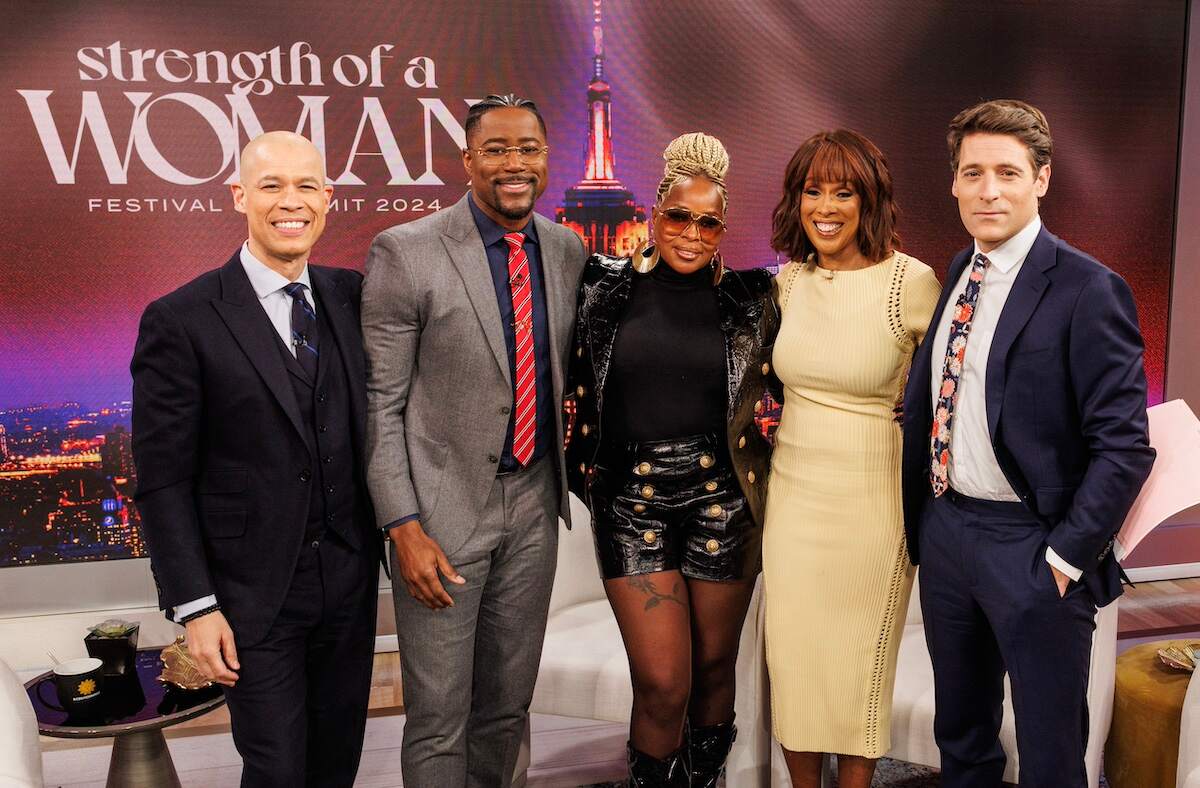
{"x":304,"y":329}
{"x":956,"y":354}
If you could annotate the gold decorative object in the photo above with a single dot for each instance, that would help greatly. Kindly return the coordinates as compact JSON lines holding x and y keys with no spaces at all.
{"x":1181,"y":657}
{"x":180,"y":668}
{"x":113,"y":628}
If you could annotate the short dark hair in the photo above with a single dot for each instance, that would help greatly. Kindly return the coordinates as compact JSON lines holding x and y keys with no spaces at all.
{"x":840,"y":156}
{"x":1003,"y":116}
{"x":493,"y":101}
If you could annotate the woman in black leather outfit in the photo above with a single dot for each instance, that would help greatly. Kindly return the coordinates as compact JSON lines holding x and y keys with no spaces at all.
{"x":667,"y":375}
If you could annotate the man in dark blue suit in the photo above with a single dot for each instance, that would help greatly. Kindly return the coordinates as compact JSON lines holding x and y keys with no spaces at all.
{"x":1024,"y":447}
{"x":249,"y":419}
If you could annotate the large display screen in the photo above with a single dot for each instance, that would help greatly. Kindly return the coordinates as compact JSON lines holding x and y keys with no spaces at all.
{"x":123,"y":121}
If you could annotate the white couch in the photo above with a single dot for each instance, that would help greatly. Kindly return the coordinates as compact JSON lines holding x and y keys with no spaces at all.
{"x":584,"y":671}
{"x":1189,"y":737}
{"x":20,"y":758}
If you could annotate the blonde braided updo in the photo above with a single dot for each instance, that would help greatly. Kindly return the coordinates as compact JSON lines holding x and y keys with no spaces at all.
{"x":694,"y":155}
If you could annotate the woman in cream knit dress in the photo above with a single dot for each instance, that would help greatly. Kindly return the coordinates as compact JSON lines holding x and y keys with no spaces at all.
{"x":837,"y":577}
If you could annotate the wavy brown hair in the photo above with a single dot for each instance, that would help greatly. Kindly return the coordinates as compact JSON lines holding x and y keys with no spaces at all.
{"x":1003,"y":116}
{"x":840,"y":156}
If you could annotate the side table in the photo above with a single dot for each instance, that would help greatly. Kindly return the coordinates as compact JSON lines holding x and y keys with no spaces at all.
{"x":1143,"y":742}
{"x":136,"y":709}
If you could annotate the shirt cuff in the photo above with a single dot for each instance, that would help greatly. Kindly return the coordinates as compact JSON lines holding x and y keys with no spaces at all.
{"x":408,"y":519}
{"x":1119,"y":551}
{"x":1056,"y":561}
{"x":187,"y":608}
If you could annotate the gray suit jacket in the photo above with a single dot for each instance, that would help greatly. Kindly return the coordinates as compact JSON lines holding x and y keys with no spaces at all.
{"x":438,"y":385}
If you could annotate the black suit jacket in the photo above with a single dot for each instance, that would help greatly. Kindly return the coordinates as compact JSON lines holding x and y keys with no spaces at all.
{"x":224,"y":463}
{"x":1066,"y":405}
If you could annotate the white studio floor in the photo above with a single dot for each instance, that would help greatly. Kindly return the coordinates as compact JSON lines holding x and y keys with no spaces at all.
{"x":566,"y":753}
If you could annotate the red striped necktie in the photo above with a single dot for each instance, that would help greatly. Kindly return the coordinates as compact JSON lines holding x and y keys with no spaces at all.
{"x":524,"y":386}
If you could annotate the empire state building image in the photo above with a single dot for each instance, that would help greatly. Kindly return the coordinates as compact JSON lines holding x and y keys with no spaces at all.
{"x":599,"y":207}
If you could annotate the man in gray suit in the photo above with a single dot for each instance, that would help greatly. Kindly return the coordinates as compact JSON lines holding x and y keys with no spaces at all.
{"x":467,"y":318}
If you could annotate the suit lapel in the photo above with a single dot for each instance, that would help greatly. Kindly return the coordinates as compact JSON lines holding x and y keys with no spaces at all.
{"x":559,"y":300}
{"x":1026,"y":293}
{"x":344,"y":323}
{"x":466,"y":251}
{"x":238,"y":307}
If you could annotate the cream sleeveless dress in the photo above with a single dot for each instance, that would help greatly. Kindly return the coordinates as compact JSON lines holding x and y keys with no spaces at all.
{"x":836,"y":574}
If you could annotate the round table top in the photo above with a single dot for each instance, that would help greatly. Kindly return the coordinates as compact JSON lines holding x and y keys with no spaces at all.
{"x":1142,"y":675}
{"x":130,"y":703}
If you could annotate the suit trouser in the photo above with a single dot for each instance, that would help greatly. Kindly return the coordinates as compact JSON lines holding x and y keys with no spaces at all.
{"x":299,"y":709}
{"x":990,"y":606}
{"x":469,"y":670}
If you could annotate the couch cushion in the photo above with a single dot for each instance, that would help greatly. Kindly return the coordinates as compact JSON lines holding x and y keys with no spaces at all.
{"x":20,"y":758}
{"x":584,"y":670}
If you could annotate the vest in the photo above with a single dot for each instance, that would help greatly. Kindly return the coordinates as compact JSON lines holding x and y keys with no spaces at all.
{"x":325,"y":413}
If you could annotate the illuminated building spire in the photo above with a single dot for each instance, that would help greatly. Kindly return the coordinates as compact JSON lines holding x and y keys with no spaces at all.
{"x":604,"y":213}
{"x":599,"y":150}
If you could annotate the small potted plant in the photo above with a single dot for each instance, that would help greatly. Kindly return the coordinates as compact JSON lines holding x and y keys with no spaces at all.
{"x":114,"y":642}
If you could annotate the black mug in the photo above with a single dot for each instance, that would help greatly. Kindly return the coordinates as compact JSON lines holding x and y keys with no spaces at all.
{"x":78,"y":684}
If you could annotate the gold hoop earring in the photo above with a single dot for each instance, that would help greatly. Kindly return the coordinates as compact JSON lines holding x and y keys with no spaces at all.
{"x":645,"y":257}
{"x":718,"y":266}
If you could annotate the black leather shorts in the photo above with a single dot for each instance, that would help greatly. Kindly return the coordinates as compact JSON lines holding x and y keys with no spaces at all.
{"x":664,"y":505}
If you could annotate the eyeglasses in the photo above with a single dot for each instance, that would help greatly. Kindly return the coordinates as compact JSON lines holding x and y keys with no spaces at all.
{"x":675,"y":221}
{"x":526,"y":154}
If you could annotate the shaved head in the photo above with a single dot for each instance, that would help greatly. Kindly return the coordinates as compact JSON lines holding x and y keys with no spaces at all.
{"x":273,"y":145}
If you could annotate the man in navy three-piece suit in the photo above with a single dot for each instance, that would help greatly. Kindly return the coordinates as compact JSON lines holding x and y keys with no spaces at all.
{"x":249,"y":418}
{"x":1024,"y":447}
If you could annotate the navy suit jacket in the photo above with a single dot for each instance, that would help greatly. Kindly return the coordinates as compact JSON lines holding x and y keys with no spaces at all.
{"x":222,"y":454}
{"x":1066,"y":406}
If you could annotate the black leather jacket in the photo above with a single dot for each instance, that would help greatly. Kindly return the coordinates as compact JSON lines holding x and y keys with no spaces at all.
{"x":749,"y":321}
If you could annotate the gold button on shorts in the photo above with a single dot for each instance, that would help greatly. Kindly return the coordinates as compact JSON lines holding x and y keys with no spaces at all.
{"x":648,"y":491}
{"x":712,"y":545}
{"x":650,"y":537}
{"x":715,"y":510}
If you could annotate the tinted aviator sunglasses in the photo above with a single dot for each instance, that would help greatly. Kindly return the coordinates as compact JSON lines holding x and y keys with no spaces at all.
{"x":675,"y":221}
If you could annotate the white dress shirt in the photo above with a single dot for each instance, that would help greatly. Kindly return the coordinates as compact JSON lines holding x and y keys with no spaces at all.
{"x":268,"y":286}
{"x":973,"y":469}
